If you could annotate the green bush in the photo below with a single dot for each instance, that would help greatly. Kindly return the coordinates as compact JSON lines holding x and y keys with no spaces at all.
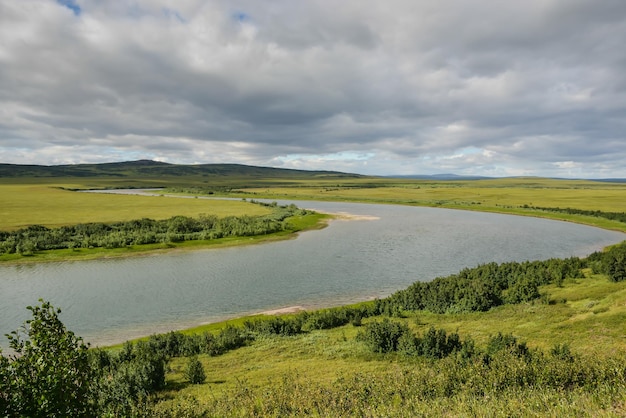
{"x":49,"y":374}
{"x":383,"y":336}
{"x":195,"y":371}
{"x":611,"y":262}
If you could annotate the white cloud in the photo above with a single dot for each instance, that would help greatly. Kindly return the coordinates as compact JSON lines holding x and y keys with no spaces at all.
{"x":408,"y":86}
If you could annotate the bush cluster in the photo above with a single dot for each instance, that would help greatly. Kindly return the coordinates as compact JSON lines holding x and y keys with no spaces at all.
{"x":177,"y":344}
{"x":613,"y":216}
{"x":34,"y":238}
{"x":126,"y":379}
{"x":53,"y":374}
{"x":611,"y":262}
{"x":310,"y":321}
{"x":484,"y":287}
{"x":388,"y":336}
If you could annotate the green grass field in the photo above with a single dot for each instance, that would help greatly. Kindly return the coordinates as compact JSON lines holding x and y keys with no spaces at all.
{"x":52,"y":203}
{"x":24,"y":201}
{"x":274,"y":376}
{"x":587,"y":314}
{"x":49,"y":205}
{"x":515,"y":196}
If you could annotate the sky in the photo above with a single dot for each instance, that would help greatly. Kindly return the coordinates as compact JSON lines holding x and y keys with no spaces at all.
{"x":395,"y":87}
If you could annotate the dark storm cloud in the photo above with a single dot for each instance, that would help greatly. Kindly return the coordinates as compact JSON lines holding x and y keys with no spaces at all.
{"x":491,"y":87}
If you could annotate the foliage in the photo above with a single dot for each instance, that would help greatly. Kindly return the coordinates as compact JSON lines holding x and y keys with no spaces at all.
{"x":383,"y":336}
{"x":309,"y":321}
{"x":484,"y":287}
{"x":275,"y":325}
{"x":53,"y":374}
{"x":388,"y":336}
{"x":49,"y":374}
{"x":562,"y":352}
{"x":126,"y":383}
{"x":35,"y":238}
{"x":508,"y":343}
{"x":613,"y":216}
{"x":195,"y":371}
{"x":611,"y":262}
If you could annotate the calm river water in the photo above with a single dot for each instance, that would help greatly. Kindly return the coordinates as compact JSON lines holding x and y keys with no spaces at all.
{"x":109,"y":301}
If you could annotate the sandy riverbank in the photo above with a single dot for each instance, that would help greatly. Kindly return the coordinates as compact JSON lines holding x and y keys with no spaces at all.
{"x":286,"y":310}
{"x":345,"y":216}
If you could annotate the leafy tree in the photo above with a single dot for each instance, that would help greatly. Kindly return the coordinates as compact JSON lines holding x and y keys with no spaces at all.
{"x":49,"y":375}
{"x":616,"y":265}
{"x":195,"y":371}
{"x":6,"y":407}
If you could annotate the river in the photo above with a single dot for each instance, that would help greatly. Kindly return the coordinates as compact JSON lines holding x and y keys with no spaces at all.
{"x":382,"y":249}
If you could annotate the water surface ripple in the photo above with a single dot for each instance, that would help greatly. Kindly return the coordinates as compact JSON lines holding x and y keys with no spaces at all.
{"x":109,"y":301}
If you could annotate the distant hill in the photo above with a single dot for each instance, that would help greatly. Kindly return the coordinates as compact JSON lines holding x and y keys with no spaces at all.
{"x":440,"y":177}
{"x":446,"y":177}
{"x":148,"y":168}
{"x":613,"y":180}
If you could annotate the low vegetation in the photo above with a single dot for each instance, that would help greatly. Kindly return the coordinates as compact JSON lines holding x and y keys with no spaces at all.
{"x":543,"y":338}
{"x":53,"y":205}
{"x":36,"y":238}
{"x":382,"y":358}
{"x":589,"y":202}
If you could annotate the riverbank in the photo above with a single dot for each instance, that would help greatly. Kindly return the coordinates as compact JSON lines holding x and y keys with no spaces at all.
{"x":595,"y":221}
{"x":342,"y":264}
{"x":572,"y":328}
{"x":515,"y":196}
{"x":489,"y":196}
{"x":312,"y":221}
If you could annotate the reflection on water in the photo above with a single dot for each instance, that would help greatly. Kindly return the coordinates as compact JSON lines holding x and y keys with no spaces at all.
{"x":386,"y":249}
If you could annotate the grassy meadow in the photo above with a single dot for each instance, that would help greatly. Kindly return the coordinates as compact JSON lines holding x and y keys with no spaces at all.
{"x":54,"y":205}
{"x":515,"y":195}
{"x":331,"y":372}
{"x":28,"y":200}
{"x":587,"y":314}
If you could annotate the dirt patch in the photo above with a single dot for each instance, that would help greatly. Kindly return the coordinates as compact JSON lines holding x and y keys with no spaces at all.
{"x":344,"y":216}
{"x":286,"y":310}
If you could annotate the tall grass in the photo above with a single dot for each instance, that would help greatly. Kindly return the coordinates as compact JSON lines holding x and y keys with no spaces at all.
{"x":508,"y":386}
{"x":23,"y":205}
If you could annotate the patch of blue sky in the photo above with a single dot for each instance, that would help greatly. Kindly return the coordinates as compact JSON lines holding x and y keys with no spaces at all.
{"x":72,"y":5}
{"x":470,"y":151}
{"x":241,"y":17}
{"x":173,"y":14}
{"x":339,"y":156}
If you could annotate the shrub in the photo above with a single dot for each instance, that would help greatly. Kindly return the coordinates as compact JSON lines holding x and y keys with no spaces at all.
{"x":506,"y":342}
{"x":195,"y":371}
{"x":49,"y":374}
{"x":437,"y":344}
{"x":383,"y":337}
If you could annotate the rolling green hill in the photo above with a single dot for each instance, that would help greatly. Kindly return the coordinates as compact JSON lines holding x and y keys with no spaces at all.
{"x":148,"y":168}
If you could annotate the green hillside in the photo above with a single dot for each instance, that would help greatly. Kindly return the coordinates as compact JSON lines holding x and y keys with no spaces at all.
{"x":148,"y":168}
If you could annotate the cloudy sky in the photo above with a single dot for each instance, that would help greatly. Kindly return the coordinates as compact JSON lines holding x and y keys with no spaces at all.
{"x":475,"y":87}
